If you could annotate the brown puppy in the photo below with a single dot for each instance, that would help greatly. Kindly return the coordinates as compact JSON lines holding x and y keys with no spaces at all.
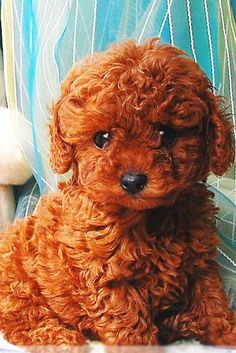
{"x":125,"y":251}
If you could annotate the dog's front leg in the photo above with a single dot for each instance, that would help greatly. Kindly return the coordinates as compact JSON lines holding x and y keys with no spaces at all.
{"x":26,"y":318}
{"x":208,"y":318}
{"x":127,"y":320}
{"x":216,"y":322}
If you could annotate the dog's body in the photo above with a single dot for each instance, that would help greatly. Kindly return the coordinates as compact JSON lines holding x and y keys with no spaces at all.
{"x":125,"y":252}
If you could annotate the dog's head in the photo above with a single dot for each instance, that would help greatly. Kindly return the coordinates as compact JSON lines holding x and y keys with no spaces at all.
{"x":138,"y":124}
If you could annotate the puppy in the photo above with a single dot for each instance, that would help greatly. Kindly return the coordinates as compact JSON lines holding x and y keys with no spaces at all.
{"x":125,"y":252}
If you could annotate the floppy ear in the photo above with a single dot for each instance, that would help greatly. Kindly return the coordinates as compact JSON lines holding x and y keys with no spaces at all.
{"x":220,"y":138}
{"x":61,"y":153}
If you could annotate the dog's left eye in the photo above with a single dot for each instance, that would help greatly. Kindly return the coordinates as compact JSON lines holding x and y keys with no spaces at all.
{"x":102,"y":139}
{"x":168,"y":135}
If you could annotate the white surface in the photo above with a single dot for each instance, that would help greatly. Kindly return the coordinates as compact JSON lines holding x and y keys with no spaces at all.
{"x":98,"y":348}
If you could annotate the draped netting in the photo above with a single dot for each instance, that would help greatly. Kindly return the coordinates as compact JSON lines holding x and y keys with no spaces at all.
{"x":44,"y":38}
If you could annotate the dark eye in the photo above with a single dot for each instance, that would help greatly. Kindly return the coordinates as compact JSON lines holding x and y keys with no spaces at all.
{"x":168,"y":135}
{"x":102,"y":139}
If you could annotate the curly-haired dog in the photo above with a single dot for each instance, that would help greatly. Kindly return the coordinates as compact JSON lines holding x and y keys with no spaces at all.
{"x":125,"y":251}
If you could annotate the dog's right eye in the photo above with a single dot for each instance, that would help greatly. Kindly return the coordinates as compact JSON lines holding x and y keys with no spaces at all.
{"x":102,"y":139}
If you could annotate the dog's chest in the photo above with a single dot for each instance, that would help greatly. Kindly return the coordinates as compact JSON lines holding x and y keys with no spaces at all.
{"x":164,"y":272}
{"x":142,"y":264}
{"x":112,"y":267}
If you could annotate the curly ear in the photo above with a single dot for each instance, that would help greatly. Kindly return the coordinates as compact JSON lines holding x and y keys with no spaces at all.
{"x":220,"y":138}
{"x":61,"y":153}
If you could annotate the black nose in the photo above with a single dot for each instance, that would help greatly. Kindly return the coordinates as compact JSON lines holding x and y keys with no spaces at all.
{"x":133,"y":182}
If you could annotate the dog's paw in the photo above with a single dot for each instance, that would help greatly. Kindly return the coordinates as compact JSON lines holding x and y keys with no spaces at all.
{"x":48,"y":332}
{"x":227,"y":339}
{"x":56,"y":335}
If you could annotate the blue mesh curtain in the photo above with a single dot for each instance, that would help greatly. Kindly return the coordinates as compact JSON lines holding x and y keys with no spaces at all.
{"x":44,"y":38}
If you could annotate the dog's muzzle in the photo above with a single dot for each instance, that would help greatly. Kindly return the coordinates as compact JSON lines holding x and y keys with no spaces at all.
{"x":133,"y":182}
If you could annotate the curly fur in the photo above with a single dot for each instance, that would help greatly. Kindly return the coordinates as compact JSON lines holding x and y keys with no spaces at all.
{"x":96,"y":262}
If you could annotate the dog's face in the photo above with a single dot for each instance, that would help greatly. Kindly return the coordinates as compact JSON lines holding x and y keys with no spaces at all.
{"x":138,"y":124}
